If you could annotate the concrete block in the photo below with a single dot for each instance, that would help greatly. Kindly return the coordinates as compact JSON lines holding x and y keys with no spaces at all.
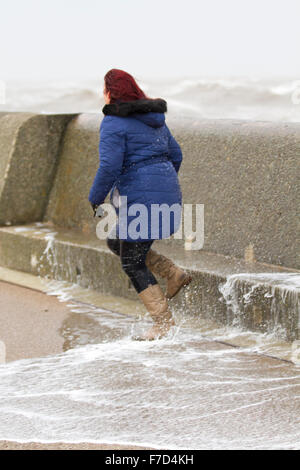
{"x":29,"y":150}
{"x":79,"y":160}
{"x":247,"y":176}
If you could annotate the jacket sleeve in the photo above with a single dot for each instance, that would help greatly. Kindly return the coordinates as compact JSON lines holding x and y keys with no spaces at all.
{"x":175,"y":153}
{"x":111,"y":154}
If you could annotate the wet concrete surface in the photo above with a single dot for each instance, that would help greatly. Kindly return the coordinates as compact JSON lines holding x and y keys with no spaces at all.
{"x":30,"y":322}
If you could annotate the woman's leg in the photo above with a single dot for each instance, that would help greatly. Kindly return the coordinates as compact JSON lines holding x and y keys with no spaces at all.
{"x":113,"y":243}
{"x":133,"y":260}
{"x":164,"y":267}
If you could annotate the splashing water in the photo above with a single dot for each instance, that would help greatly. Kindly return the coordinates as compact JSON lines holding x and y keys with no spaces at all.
{"x":175,"y":393}
{"x":280,"y":291}
{"x":183,"y":392}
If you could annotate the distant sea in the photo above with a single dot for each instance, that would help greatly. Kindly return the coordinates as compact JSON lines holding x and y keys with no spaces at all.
{"x":215,"y":98}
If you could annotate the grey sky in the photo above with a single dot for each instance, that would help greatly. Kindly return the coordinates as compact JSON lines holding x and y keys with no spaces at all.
{"x":149,"y":38}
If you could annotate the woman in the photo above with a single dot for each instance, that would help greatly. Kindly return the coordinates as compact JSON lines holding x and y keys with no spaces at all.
{"x":139,"y":162}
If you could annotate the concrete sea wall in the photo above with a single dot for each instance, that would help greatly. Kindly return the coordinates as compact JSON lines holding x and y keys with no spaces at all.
{"x":29,"y":151}
{"x":247,"y":176}
{"x":245,"y":173}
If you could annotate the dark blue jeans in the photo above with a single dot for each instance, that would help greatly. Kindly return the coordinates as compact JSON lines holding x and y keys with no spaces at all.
{"x":133,"y":261}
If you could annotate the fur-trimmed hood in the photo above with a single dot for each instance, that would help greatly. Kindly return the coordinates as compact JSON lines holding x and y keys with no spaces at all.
{"x":149,"y":111}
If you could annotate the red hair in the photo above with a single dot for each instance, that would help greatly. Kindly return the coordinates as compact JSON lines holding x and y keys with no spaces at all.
{"x":122,"y":86}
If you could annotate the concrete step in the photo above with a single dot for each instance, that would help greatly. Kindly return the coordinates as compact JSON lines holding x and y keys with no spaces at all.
{"x":254,"y":296}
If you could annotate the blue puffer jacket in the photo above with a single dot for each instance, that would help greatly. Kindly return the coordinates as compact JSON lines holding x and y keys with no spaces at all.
{"x":139,"y":159}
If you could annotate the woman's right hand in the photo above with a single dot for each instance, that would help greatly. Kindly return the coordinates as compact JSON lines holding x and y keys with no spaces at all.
{"x":94,"y":207}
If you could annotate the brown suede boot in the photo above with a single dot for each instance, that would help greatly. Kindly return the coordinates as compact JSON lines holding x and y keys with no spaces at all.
{"x":164,"y":267}
{"x":156,"y":303}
